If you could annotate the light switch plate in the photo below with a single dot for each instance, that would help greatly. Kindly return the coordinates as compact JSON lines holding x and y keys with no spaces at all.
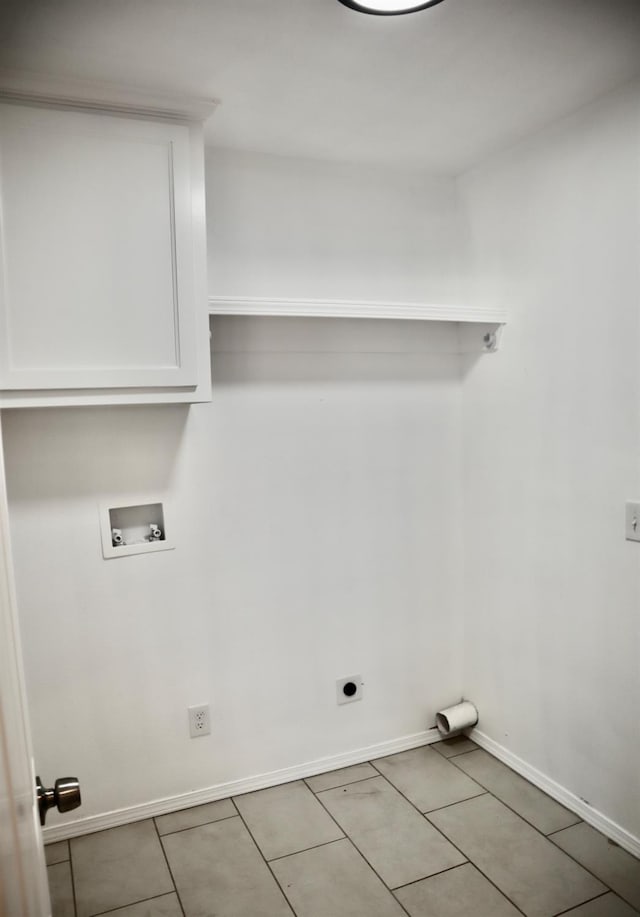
{"x":632,"y":521}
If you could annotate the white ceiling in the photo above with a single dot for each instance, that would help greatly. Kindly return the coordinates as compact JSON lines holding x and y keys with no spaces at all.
{"x":439,"y":90}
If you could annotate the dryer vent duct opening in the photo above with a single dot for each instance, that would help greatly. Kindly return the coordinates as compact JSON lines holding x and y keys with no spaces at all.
{"x":454,"y":719}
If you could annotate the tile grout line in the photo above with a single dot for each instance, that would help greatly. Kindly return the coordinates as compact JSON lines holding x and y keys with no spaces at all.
{"x":360,"y":853}
{"x":575,"y":825}
{"x":377,"y":773}
{"x":305,"y":849}
{"x":449,"y":804}
{"x":114,"y":910}
{"x":264,"y":859}
{"x":549,"y":837}
{"x":166,"y":859}
{"x":64,"y":859}
{"x":591,"y":873}
{"x":458,"y":754}
{"x":338,"y":786}
{"x":191,"y":827}
{"x":486,"y":791}
{"x":449,"y":841}
{"x":345,"y":837}
{"x":317,"y":795}
{"x":589,"y":900}
{"x":441,"y":872}
{"x":511,"y":809}
{"x":73,"y":882}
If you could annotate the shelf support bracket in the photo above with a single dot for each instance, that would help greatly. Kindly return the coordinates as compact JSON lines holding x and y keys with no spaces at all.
{"x":491,"y":339}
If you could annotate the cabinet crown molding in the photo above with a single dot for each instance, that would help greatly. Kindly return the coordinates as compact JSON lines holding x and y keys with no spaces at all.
{"x":37,"y":88}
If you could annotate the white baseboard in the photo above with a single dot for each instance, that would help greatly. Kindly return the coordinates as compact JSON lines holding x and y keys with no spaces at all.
{"x":565,"y":797}
{"x":235,"y":787}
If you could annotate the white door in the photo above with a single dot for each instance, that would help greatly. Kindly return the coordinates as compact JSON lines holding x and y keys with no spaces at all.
{"x":23,"y":875}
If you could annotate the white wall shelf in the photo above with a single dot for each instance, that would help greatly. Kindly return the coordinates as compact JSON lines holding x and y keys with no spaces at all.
{"x":336,"y":308}
{"x":488,"y":321}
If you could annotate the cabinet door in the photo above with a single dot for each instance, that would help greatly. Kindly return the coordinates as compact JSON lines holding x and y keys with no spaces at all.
{"x":96,"y":253}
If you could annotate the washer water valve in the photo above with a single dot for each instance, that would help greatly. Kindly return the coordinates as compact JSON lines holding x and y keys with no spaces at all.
{"x":116,"y":538}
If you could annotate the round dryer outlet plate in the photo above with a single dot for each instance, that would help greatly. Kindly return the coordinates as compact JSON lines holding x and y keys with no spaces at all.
{"x":349,"y":689}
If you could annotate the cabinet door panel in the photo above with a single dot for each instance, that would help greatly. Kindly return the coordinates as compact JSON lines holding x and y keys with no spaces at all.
{"x":96,"y":252}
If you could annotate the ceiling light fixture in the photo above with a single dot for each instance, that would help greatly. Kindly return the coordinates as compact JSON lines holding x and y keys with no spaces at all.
{"x":388,"y":7}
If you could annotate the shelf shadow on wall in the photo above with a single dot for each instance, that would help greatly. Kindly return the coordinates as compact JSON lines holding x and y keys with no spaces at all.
{"x":254,"y":350}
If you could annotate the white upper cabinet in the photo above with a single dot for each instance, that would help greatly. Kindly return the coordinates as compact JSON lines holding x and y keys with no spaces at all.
{"x":102,"y":264}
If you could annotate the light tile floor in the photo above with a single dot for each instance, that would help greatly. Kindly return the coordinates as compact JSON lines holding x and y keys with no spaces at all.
{"x":441,"y":831}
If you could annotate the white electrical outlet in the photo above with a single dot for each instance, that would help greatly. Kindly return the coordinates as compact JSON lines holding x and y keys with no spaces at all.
{"x":349,"y":689}
{"x":199,"y":723}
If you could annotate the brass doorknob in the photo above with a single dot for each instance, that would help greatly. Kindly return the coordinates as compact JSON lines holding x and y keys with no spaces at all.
{"x":64,"y":795}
